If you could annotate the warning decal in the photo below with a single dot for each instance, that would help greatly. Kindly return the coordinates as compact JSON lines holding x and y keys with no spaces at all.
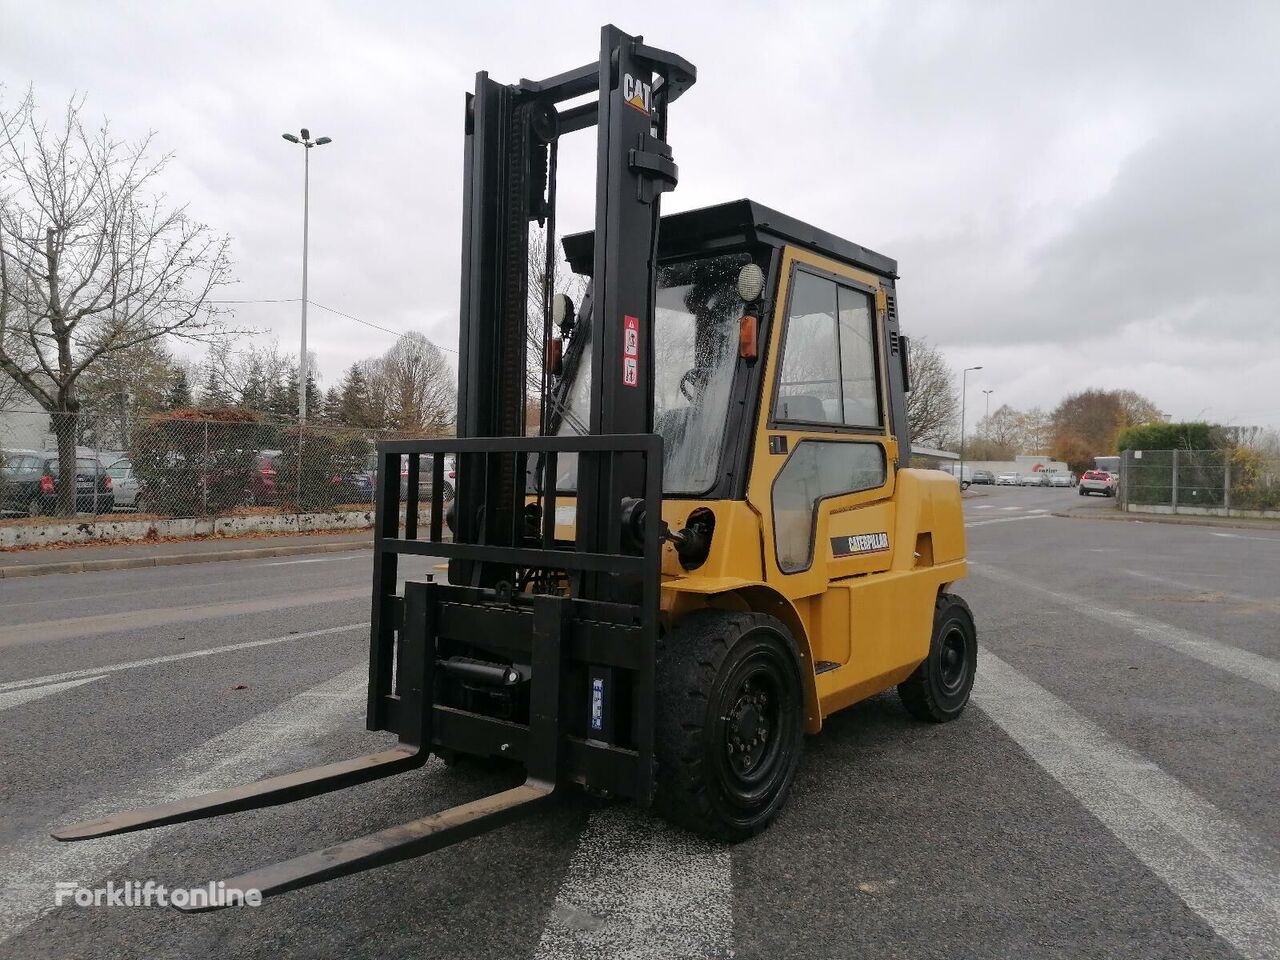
{"x":630,"y":351}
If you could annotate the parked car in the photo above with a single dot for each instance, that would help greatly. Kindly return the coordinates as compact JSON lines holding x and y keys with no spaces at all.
{"x":1098,"y":481}
{"x":29,"y":484}
{"x":1062,"y":479}
{"x":262,"y":482}
{"x":124,"y":483}
{"x":1007,"y":480}
{"x":984,"y":476}
{"x":426,"y":462}
{"x":1038,"y":479}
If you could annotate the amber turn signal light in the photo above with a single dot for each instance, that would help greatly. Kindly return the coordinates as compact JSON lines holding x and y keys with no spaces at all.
{"x":747,"y":348}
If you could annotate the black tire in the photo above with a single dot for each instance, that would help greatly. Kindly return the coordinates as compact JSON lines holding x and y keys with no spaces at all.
{"x":722,"y":677}
{"x":939,"y":689}
{"x":1083,"y":491}
{"x":35,"y":508}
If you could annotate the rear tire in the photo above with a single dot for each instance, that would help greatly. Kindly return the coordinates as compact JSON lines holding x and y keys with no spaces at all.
{"x":939,"y":689}
{"x":729,"y":726}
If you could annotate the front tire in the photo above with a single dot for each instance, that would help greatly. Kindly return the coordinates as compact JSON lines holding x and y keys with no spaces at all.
{"x":939,"y":689}
{"x":729,"y":726}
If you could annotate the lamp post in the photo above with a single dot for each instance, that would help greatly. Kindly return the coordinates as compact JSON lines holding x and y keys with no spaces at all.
{"x":964,"y":394}
{"x":987,"y":416}
{"x":307,"y":143}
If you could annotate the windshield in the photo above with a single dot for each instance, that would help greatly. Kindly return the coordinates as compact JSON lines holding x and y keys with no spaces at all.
{"x":695,"y":354}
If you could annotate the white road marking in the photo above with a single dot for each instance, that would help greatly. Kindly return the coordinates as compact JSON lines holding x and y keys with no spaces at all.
{"x":27,"y":694}
{"x":1217,"y":867}
{"x":1040,"y":510}
{"x":984,"y":506}
{"x":641,"y":890}
{"x":74,"y":628}
{"x":173,"y":657}
{"x":1238,"y":536}
{"x":1183,"y":585}
{"x":289,"y":563}
{"x":987,"y":523}
{"x":1250,"y":666}
{"x":249,"y":751}
{"x":1011,"y":508}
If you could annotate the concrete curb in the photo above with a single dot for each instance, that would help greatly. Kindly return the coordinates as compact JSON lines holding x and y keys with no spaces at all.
{"x":1190,"y":521}
{"x":174,"y":559}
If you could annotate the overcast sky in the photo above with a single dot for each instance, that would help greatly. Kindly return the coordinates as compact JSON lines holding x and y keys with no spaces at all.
{"x":1077,"y":194}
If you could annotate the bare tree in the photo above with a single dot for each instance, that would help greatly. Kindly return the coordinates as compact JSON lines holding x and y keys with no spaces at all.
{"x":419,"y":386}
{"x":248,"y":375}
{"x":91,"y":263}
{"x":933,"y":405}
{"x":563,"y":280}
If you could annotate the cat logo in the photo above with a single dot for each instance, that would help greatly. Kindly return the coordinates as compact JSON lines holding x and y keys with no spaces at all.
{"x":637,"y":93}
{"x":859,"y":544}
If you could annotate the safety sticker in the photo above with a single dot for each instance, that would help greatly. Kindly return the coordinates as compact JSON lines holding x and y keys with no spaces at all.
{"x":630,"y":351}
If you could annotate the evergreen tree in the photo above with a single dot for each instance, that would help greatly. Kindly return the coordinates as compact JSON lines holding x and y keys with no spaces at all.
{"x":254,"y":395}
{"x":283,"y":402}
{"x":332,"y":411}
{"x":214,"y":394}
{"x":315,"y":399}
{"x":354,"y":405}
{"x":178,"y":395}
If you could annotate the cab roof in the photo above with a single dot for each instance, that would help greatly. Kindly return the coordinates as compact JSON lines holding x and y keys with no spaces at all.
{"x":735,"y":224}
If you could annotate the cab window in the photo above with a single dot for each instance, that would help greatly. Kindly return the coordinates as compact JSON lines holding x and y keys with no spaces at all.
{"x":828,"y":370}
{"x":818,"y":469}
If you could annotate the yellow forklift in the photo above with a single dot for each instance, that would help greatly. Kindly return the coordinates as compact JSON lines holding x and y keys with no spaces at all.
{"x":714,"y":542}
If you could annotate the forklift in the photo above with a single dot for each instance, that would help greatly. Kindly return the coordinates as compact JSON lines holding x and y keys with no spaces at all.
{"x":714,"y":543}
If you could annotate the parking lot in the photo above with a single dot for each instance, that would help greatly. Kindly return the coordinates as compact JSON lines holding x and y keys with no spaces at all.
{"x":1112,"y":790}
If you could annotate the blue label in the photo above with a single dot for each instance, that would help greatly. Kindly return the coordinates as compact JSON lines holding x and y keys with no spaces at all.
{"x":597,"y":703}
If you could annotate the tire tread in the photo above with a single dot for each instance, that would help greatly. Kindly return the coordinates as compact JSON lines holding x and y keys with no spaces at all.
{"x":915,"y":692}
{"x":689,"y":661}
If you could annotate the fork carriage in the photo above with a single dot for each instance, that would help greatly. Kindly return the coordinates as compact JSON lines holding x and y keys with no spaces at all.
{"x":512,"y":662}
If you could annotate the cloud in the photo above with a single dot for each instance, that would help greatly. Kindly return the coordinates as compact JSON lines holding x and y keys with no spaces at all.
{"x":1077,"y":194}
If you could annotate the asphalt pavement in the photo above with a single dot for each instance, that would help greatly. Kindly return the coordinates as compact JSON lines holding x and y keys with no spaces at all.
{"x":1111,"y":792}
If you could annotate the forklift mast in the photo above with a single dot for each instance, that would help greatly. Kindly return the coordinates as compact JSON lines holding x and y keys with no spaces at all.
{"x":512,"y":138}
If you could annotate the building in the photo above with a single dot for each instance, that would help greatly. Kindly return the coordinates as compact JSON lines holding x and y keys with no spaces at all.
{"x":930,"y":459}
{"x":25,"y":430}
{"x":1023,"y":465}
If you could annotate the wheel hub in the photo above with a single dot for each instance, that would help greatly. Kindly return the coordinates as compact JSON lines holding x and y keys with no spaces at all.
{"x":952,"y":660}
{"x":747,"y":727}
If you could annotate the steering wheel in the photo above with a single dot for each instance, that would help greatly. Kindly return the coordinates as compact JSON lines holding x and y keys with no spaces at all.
{"x":693,"y":380}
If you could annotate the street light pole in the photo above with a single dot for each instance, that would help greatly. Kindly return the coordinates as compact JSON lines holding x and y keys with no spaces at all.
{"x":964,"y":395}
{"x":987,"y":416}
{"x":306,"y":231}
{"x":307,"y":143}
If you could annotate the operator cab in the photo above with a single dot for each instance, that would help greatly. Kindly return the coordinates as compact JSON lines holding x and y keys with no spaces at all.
{"x":717,"y":278}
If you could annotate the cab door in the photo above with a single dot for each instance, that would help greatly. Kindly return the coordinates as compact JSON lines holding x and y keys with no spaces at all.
{"x":823,"y":469}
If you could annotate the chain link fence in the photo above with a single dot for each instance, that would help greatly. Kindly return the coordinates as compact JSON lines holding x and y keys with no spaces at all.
{"x":1221,"y":482}
{"x":187,"y":464}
